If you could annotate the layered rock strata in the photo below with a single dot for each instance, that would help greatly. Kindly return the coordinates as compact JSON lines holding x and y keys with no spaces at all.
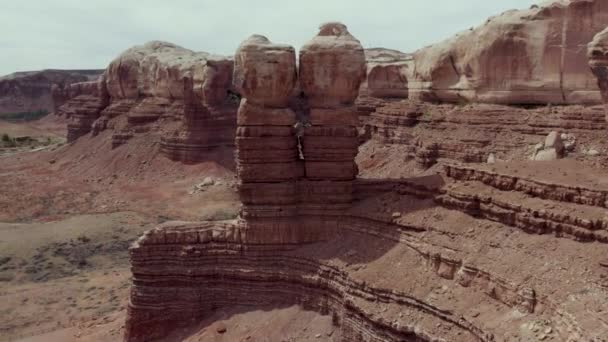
{"x":180,"y":96}
{"x":402,"y":260}
{"x":476,"y":131}
{"x":203,"y":126}
{"x":267,"y":152}
{"x":86,"y":101}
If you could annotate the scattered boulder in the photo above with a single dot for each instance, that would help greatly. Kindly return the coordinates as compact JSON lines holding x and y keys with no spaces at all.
{"x":552,"y":149}
{"x":221,"y":328}
{"x":547,"y":155}
{"x":569,"y":141}
{"x":554,"y":140}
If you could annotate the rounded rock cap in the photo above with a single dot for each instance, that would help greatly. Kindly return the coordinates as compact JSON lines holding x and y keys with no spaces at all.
{"x":332,"y":67}
{"x":264,"y":72}
{"x":333,"y":28}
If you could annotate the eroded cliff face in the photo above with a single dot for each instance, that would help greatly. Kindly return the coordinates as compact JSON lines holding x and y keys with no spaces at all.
{"x":533,"y":56}
{"x":179,"y":95}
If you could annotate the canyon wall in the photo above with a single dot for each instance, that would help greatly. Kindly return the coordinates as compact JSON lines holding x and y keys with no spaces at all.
{"x":533,"y":56}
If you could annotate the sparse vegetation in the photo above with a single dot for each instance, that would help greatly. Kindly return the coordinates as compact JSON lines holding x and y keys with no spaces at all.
{"x":7,"y":141}
{"x":24,"y":116}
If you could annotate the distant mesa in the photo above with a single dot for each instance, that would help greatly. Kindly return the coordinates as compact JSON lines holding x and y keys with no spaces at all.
{"x":31,"y":90}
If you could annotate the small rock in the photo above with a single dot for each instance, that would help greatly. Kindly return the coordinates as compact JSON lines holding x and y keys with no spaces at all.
{"x":491,"y":159}
{"x":592,"y":153}
{"x":221,"y":328}
{"x":318,"y":336}
{"x":396,"y":215}
{"x":546,"y":155}
{"x":208,"y":181}
{"x":548,"y":330}
{"x":554,"y":140}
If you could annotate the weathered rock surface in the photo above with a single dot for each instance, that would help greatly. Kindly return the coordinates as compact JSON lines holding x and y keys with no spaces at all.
{"x":597,"y":52}
{"x":188,"y":92}
{"x":519,"y":57}
{"x":383,"y":257}
{"x":471,"y":133}
{"x":386,"y":75}
{"x":31,"y":90}
{"x":293,"y":191}
{"x":86,"y":101}
{"x":332,"y":67}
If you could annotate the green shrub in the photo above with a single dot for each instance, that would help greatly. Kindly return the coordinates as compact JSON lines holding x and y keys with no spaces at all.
{"x":24,"y":116}
{"x":7,"y":141}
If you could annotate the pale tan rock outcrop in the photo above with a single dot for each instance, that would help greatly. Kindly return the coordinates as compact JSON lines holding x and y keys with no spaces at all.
{"x":189,"y":91}
{"x":157,"y":69}
{"x":386,"y":75}
{"x":518,"y":57}
{"x":265,"y":75}
{"x":597,"y":52}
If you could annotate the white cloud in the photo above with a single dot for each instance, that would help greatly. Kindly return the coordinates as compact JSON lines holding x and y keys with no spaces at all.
{"x":72,"y":34}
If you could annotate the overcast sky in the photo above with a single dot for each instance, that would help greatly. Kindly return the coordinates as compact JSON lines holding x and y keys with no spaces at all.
{"x":74,"y":34}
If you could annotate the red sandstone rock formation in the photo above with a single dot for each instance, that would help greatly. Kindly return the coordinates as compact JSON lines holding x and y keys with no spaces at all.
{"x":265,"y":75}
{"x":473,"y":132}
{"x":163,"y":89}
{"x":86,"y":101}
{"x":519,"y":57}
{"x":332,"y":67}
{"x":427,"y":279}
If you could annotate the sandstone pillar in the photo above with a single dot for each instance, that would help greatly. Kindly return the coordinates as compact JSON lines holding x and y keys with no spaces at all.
{"x":332,"y":67}
{"x":597,"y":51}
{"x":267,"y":153}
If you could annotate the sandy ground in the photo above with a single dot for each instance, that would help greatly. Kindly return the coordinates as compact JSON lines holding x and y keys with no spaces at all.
{"x":69,"y":212}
